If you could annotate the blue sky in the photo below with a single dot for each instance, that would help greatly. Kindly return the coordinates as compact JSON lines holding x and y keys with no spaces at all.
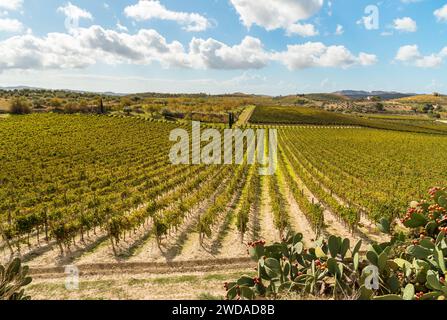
{"x":222,"y":46}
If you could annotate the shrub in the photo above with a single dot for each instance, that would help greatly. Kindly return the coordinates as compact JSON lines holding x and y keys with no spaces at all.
{"x":71,"y":107}
{"x":20,"y":106}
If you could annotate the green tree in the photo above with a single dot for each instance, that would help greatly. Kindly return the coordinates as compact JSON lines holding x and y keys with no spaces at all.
{"x":379,"y":107}
{"x":102,"y":108}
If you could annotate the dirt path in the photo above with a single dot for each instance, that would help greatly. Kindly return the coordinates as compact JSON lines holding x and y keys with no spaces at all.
{"x":268,"y":231}
{"x":182,"y":281}
{"x":143,"y":267}
{"x":245,"y":116}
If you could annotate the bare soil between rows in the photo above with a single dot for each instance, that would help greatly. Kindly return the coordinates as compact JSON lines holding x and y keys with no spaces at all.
{"x":147,"y":267}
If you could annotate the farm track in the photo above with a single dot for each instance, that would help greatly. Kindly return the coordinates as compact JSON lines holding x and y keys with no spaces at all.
{"x":268,"y":231}
{"x":146,"y":267}
{"x":245,"y":116}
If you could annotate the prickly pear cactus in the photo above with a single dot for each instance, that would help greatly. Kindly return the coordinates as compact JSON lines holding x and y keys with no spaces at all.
{"x":13,"y":277}
{"x":412,"y":266}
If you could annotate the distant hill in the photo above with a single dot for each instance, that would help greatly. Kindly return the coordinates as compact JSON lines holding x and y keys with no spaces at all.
{"x":59,"y":90}
{"x":384,"y":95}
{"x":20,"y":88}
{"x":326,"y":97}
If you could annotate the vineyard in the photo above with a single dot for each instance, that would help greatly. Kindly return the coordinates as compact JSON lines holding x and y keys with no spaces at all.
{"x":90,"y":190}
{"x":282,"y":115}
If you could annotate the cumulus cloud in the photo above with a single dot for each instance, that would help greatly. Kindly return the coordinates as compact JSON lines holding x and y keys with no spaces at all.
{"x":279,"y":14}
{"x":441,"y":14}
{"x":405,"y":24}
{"x":153,"y":9}
{"x":366,"y":59}
{"x":87,"y":46}
{"x":212,"y":54}
{"x":411,"y":55}
{"x":303,"y":30}
{"x":316,"y":54}
{"x":74,"y":13}
{"x":10,"y":25}
{"x":11,"y":4}
{"x":55,"y":51}
{"x":144,"y":47}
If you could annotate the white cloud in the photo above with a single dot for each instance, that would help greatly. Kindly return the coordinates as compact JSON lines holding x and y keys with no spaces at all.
{"x":303,"y":30}
{"x":339,"y":30}
{"x":120,"y":27}
{"x":87,"y":46}
{"x":144,"y":47}
{"x":153,"y":9}
{"x":365,"y":59}
{"x":212,"y":54}
{"x":74,"y":13}
{"x":278,"y":14}
{"x":10,"y":25}
{"x":55,"y":51}
{"x":316,"y":54}
{"x":441,"y":14}
{"x":405,"y":24}
{"x":408,"y":53}
{"x":11,"y":4}
{"x":411,"y":55}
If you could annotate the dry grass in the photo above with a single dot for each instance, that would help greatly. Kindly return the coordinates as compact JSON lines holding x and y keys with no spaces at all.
{"x":137,"y":286}
{"x":4,"y":105}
